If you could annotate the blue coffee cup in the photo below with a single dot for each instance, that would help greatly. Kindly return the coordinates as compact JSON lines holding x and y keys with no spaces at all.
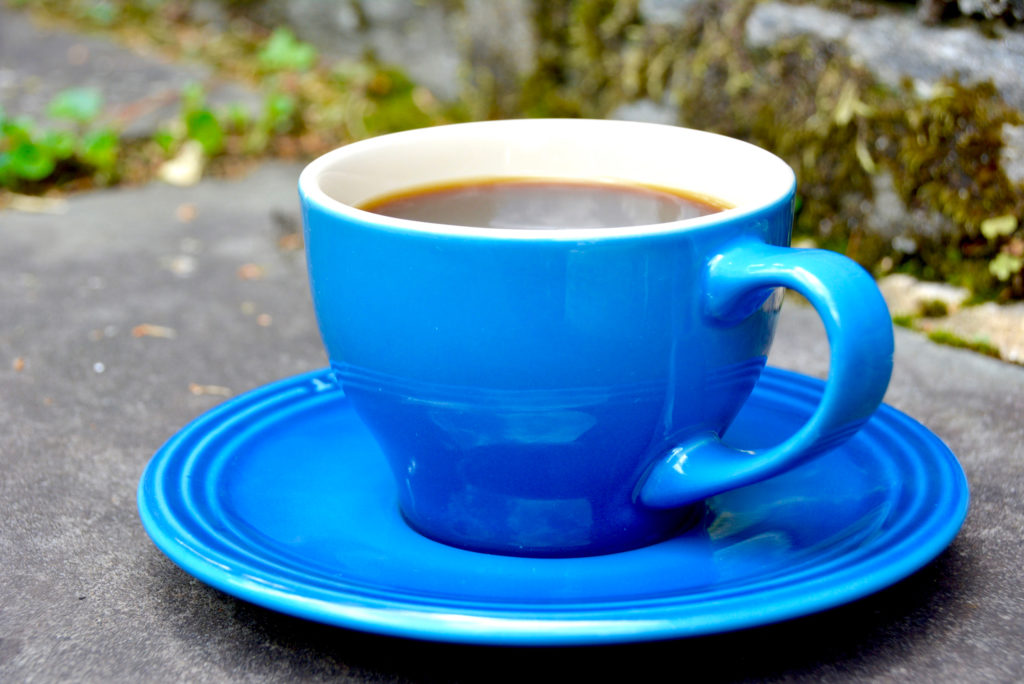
{"x":564,"y":392}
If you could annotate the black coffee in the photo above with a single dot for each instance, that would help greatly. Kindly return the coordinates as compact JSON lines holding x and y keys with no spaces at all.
{"x":543,"y":204}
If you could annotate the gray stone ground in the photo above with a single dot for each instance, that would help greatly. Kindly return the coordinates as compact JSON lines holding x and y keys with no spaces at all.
{"x":139,"y":308}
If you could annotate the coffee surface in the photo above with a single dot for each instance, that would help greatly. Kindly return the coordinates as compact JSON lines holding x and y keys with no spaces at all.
{"x":543,"y":204}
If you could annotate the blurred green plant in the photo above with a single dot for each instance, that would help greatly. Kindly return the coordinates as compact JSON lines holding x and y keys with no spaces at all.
{"x":284,"y":52}
{"x":24,"y":156}
{"x":201,"y":123}
{"x":308,"y":105}
{"x":80,"y":105}
{"x":99,"y":149}
{"x":1008,"y":263}
{"x":31,"y":154}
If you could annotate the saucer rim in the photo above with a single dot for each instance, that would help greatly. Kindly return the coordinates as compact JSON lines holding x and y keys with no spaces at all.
{"x":400,"y":613}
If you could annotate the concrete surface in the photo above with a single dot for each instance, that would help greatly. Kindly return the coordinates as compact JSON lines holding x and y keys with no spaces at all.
{"x":140,"y":308}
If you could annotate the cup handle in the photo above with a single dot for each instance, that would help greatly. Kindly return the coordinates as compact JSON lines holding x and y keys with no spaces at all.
{"x":860,"y":336}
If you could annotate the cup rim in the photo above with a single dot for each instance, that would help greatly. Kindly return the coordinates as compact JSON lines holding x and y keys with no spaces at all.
{"x":782,"y":185}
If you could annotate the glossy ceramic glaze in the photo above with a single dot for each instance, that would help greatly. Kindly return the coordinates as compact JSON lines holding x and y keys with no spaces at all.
{"x":283,"y":498}
{"x":562,"y":393}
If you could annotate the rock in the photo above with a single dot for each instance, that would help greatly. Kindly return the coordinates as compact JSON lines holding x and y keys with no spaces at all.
{"x":907,"y":296}
{"x":1012,"y":154}
{"x":771,"y":22}
{"x":892,"y":219}
{"x":993,"y":9}
{"x":414,"y":36}
{"x":933,"y":10}
{"x":442,"y":46}
{"x":646,"y":110}
{"x":498,"y":47}
{"x":671,"y":12}
{"x":1000,"y":326}
{"x":184,"y":169}
{"x":895,"y":45}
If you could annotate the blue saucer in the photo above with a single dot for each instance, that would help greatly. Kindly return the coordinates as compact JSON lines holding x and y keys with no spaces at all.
{"x":281,"y":497}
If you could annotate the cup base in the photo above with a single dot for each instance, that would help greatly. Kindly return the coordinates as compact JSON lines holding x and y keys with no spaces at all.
{"x":670,"y":524}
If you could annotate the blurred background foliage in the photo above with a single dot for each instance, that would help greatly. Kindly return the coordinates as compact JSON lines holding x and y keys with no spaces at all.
{"x":849,"y":137}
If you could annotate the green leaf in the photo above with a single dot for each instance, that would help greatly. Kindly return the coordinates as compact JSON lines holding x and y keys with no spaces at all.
{"x":102,"y":12}
{"x":31,"y":161}
{"x":279,"y":108}
{"x":1005,"y":266}
{"x":284,"y":52}
{"x":193,"y":98}
{"x":204,"y":128}
{"x":166,"y":140}
{"x":7,"y":176}
{"x":80,"y":105}
{"x":237,"y":116}
{"x":16,"y":131}
{"x":993,"y":227}
{"x":99,"y":149}
{"x":61,"y":144}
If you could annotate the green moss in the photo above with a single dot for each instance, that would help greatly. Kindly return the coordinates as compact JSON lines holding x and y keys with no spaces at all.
{"x":947,"y":152}
{"x":787,"y":99}
{"x":809,"y":103}
{"x":935,"y":308}
{"x":904,"y":321}
{"x":589,"y":57}
{"x":953,"y":340}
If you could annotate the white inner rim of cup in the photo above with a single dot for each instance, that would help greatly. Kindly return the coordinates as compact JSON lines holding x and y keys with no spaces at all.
{"x":742,"y":175}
